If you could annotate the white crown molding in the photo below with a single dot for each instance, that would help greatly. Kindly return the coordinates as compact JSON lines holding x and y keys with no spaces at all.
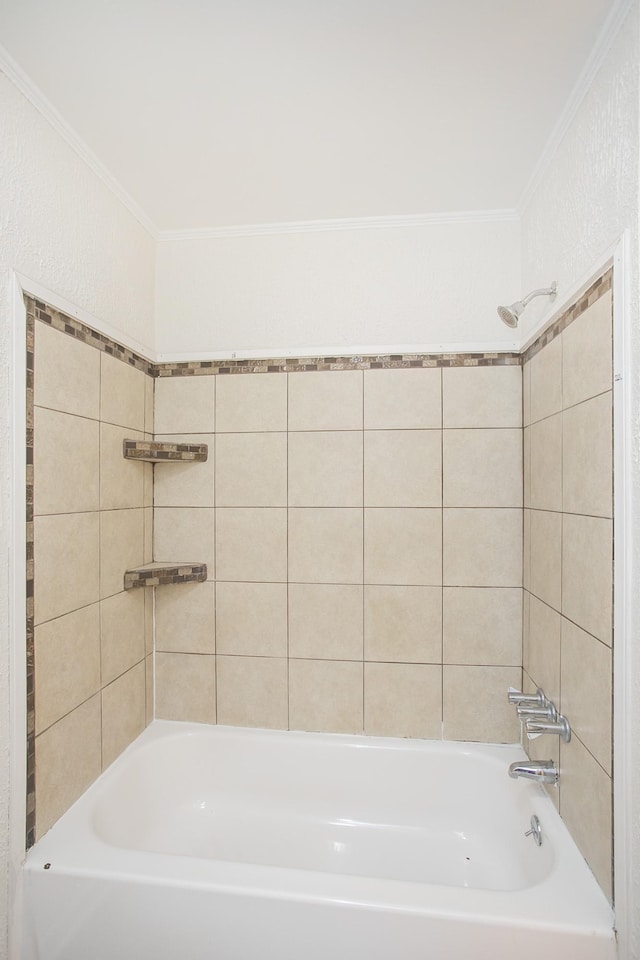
{"x":38,"y":100}
{"x":347,"y":223}
{"x":610,"y":28}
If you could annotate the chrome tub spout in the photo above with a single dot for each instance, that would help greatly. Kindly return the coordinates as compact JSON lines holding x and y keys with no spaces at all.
{"x":544,"y":771}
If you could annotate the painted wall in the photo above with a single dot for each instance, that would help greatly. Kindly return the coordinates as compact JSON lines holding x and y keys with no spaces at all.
{"x":62,"y":227}
{"x":339,"y":290}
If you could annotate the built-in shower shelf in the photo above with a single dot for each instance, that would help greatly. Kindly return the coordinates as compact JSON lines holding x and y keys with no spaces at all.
{"x":155,"y":452}
{"x":162,"y":573}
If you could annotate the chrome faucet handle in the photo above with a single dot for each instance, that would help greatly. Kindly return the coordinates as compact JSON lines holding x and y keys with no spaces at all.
{"x":561,"y":726}
{"x":526,"y":699}
{"x":546,"y":711}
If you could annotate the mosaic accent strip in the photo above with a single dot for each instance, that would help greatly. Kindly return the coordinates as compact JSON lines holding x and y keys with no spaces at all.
{"x":155,"y":452}
{"x":30,"y":828}
{"x":161,"y":574}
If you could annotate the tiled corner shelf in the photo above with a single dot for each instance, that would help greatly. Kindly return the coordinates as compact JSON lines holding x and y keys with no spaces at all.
{"x":163,"y":573}
{"x":155,"y":452}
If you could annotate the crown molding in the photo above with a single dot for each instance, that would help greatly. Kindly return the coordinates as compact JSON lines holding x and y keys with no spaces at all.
{"x":609,"y":31}
{"x":44,"y":106}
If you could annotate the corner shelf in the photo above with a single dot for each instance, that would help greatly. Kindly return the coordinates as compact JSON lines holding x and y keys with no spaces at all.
{"x":154,"y":452}
{"x":160,"y":574}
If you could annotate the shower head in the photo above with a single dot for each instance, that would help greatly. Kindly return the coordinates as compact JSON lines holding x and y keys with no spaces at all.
{"x":510,"y":315}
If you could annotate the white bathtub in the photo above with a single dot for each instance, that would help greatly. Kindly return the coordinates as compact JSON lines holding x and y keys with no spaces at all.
{"x":215,"y":843}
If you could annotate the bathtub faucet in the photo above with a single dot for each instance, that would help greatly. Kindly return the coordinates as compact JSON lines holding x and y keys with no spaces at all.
{"x":544,"y":771}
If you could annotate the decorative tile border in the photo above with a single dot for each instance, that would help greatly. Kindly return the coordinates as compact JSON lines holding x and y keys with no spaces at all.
{"x":161,"y":574}
{"x":156,"y":452}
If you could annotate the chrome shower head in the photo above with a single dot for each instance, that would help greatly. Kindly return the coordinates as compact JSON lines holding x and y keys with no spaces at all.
{"x":510,"y":315}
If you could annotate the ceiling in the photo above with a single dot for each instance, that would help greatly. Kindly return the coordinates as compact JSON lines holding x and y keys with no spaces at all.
{"x":211,"y":113}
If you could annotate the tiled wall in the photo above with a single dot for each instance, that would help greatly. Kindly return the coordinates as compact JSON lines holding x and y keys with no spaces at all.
{"x":568,"y":564}
{"x":363,"y":536}
{"x":92,"y":518}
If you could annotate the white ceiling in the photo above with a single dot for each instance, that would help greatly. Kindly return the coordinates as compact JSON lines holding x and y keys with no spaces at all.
{"x":223,"y":112}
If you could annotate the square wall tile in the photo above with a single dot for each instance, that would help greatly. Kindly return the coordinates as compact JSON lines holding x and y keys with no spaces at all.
{"x":121,"y":633}
{"x":325,"y":545}
{"x":251,"y":619}
{"x":546,"y":381}
{"x":251,"y":470}
{"x":403,"y":468}
{"x":66,"y":463}
{"x":325,"y":695}
{"x":185,"y":484}
{"x":482,"y":625}
{"x":184,"y":404}
{"x":482,"y":397}
{"x":526,"y":549}
{"x":67,"y":664}
{"x":184,"y":534}
{"x":68,"y":760}
{"x":482,"y":468}
{"x":526,"y":466}
{"x":325,"y":400}
{"x":67,"y":373}
{"x":403,"y":624}
{"x":403,"y":700}
{"x":325,"y":621}
{"x":402,"y":399}
{"x":147,"y":539}
{"x":482,"y":548}
{"x":475,"y":703}
{"x":148,"y":620}
{"x":251,"y":403}
{"x":149,"y":383}
{"x":252,"y":692}
{"x":587,"y":367}
{"x":542,"y":651}
{"x":587,"y":456}
{"x":122,"y":393}
{"x":403,"y":546}
{"x":587,"y":574}
{"x":546,"y":556}
{"x":325,"y":469}
{"x":251,"y":544}
{"x":185,"y":618}
{"x":586,"y":690}
{"x":149,"y":676}
{"x":121,"y":547}
{"x":121,"y":480}
{"x":526,"y":393}
{"x":186,"y":687}
{"x":123,"y":712}
{"x":546,"y":464}
{"x":67,"y":560}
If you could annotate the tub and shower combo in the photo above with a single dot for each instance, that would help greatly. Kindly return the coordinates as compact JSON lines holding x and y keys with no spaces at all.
{"x":220,"y":843}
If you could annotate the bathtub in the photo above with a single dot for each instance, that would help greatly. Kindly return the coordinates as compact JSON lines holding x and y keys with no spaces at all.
{"x":216,"y":843}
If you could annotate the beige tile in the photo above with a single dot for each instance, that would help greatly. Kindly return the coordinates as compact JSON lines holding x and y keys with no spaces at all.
{"x":526,"y":621}
{"x":121,"y":547}
{"x":147,"y":481}
{"x":325,"y":469}
{"x":251,"y":619}
{"x":586,"y":808}
{"x":326,"y":695}
{"x":121,"y":633}
{"x":586,"y":690}
{"x":122,"y":393}
{"x":67,"y":373}
{"x":149,"y":684}
{"x":68,"y":761}
{"x":121,"y":481}
{"x":482,"y":397}
{"x":327,"y":400}
{"x":67,"y":664}
{"x":403,"y":700}
{"x":403,"y":546}
{"x":184,"y":405}
{"x":325,"y":621}
{"x":587,"y":367}
{"x":147,"y":514}
{"x":587,"y":454}
{"x":546,"y":556}
{"x":526,"y":549}
{"x":482,"y":548}
{"x":526,"y":394}
{"x":482,"y":468}
{"x":546,"y":381}
{"x":123,"y":712}
{"x":587,"y":574}
{"x":403,"y":624}
{"x":251,"y":544}
{"x":546,"y":464}
{"x":251,"y":403}
{"x":482,"y":625}
{"x":66,"y":463}
{"x":526,"y":466}
{"x":185,"y":484}
{"x":403,"y":468}
{"x":252,"y":692}
{"x":67,"y":557}
{"x":402,"y":399}
{"x":186,"y":687}
{"x":148,"y":618}
{"x":149,"y":383}
{"x":542,"y":651}
{"x":475,"y":703}
{"x":325,"y":545}
{"x":185,"y":618}
{"x":251,"y":470}
{"x":184,"y":533}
